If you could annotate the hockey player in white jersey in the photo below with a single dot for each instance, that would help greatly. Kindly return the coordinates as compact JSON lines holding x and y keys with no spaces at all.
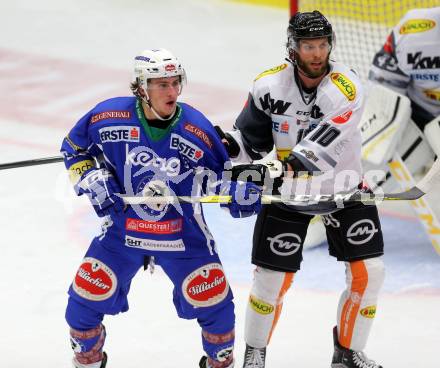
{"x":401,"y":124}
{"x":409,"y":62}
{"x":309,"y":110}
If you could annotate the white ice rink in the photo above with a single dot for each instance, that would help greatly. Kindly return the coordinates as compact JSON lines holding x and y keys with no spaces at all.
{"x":58,"y":59}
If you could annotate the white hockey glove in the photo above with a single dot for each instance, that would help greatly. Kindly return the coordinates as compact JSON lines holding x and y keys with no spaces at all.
{"x":101,"y":188}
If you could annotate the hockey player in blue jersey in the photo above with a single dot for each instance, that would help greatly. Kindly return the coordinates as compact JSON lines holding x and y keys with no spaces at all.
{"x":151,"y":145}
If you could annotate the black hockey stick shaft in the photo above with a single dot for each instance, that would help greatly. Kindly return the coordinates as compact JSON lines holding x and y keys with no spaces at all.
{"x":33,"y":162}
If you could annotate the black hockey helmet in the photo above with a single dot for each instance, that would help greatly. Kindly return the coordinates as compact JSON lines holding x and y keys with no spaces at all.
{"x":308,"y":25}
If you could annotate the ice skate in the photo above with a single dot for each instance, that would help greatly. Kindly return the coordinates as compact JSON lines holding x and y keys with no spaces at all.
{"x":101,"y":364}
{"x":347,"y":358}
{"x":204,"y":363}
{"x":254,"y":357}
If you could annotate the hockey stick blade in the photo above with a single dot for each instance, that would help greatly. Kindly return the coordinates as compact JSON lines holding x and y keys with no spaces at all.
{"x":429,"y":182}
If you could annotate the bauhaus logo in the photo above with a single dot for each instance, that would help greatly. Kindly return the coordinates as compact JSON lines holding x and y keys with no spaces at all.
{"x":361,"y":232}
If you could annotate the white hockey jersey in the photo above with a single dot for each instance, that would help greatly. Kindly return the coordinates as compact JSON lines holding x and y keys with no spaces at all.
{"x":409,"y":62}
{"x":320,"y":127}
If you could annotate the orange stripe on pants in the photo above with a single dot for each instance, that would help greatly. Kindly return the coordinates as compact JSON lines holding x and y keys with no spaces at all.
{"x":288,"y":278}
{"x":359,"y":282}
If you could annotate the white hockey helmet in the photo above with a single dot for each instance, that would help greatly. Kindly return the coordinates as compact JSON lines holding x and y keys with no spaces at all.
{"x":157,"y":63}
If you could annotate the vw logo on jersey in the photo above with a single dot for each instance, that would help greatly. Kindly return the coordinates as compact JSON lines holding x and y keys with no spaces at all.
{"x":361,"y":232}
{"x":285,"y":244}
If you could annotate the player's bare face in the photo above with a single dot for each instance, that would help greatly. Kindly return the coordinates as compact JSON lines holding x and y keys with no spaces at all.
{"x":163,"y":93}
{"x":313,"y":56}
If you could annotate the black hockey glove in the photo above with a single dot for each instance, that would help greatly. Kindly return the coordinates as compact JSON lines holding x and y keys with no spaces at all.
{"x":229,"y":142}
{"x":259,"y":174}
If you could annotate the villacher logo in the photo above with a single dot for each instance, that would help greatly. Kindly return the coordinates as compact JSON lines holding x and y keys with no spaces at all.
{"x":205,"y":286}
{"x":94,"y":280}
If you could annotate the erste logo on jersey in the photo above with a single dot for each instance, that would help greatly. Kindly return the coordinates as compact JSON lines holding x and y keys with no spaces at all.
{"x":119,"y":134}
{"x":434,"y":77}
{"x":185,"y":147}
{"x":110,"y":115}
{"x":344,"y":84}
{"x":94,"y":280}
{"x":416,"y":26}
{"x":205,"y":286}
{"x":282,"y":128}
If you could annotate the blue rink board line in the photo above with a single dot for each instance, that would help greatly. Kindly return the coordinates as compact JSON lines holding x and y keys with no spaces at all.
{"x":412,"y":265}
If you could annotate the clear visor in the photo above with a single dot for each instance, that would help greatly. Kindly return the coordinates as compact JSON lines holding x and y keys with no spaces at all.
{"x":308,"y":47}
{"x":311,"y":48}
{"x":164,"y":84}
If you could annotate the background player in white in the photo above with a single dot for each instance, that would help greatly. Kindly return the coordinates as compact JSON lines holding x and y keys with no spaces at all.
{"x":401,"y":124}
{"x":309,"y":109}
{"x":409,"y":63}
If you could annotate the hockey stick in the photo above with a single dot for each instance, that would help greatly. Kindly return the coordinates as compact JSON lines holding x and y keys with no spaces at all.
{"x":421,"y":207}
{"x":430,"y":181}
{"x":33,"y":162}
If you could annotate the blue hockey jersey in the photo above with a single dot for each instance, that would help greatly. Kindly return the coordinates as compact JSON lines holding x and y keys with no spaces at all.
{"x":146,"y":161}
